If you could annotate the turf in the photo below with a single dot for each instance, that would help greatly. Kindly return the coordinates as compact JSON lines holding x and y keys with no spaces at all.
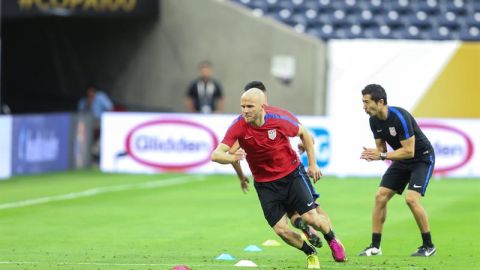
{"x":135,"y":222}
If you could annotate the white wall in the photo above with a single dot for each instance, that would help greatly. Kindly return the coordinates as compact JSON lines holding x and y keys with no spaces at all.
{"x":5,"y":146}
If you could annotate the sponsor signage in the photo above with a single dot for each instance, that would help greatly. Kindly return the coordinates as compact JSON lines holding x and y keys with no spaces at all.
{"x":453,"y":147}
{"x":5,"y":146}
{"x":171,"y":144}
{"x":40,"y":143}
{"x":322,"y":146}
{"x":151,"y":143}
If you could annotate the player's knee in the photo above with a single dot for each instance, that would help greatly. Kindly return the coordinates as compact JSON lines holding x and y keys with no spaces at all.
{"x":281,"y":231}
{"x":381,"y":199}
{"x":411,"y":201}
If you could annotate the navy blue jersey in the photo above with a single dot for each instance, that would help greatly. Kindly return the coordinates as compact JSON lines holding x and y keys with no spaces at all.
{"x":400,"y":125}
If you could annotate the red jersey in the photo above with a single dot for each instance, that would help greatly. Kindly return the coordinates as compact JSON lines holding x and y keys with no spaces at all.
{"x":269,"y":153}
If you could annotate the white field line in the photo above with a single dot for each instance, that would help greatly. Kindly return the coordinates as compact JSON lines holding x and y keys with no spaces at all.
{"x":101,"y":190}
{"x":333,"y":266}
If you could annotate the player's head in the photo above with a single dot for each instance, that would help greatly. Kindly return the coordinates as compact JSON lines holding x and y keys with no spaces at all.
{"x":205,"y":70}
{"x":252,"y":103}
{"x":255,"y":84}
{"x":374,"y":99}
{"x":90,"y":90}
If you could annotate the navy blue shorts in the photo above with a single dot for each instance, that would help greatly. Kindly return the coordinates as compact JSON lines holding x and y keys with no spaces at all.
{"x":415,"y":174}
{"x":292,"y":192}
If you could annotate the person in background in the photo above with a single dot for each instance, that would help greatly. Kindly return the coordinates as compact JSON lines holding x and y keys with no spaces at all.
{"x":95,"y":103}
{"x":205,"y":94}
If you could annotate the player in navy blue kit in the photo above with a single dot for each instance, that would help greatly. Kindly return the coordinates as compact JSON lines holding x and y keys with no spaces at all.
{"x":413,"y":161}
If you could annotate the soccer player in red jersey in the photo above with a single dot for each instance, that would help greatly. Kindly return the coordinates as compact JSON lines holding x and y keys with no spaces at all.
{"x":280,"y":180}
{"x":311,"y":234}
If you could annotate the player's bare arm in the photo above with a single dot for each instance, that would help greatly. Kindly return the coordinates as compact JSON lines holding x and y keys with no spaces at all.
{"x":307,"y":141}
{"x":381,"y":145}
{"x":407,"y":151}
{"x":238,"y":169}
{"x":222,"y":156}
{"x":301,"y":149}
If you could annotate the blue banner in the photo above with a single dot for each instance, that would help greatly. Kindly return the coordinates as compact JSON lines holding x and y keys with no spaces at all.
{"x":40,"y":143}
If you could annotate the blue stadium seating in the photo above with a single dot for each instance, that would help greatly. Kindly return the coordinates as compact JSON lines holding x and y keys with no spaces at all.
{"x":382,"y":19}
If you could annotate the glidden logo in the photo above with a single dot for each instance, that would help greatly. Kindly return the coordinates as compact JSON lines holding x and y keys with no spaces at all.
{"x":171,"y":144}
{"x":453,"y":148}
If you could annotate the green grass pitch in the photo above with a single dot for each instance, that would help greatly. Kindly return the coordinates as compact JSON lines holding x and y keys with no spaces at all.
{"x":91,"y":220}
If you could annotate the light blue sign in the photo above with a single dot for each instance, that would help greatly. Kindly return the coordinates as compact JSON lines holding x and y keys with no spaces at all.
{"x":322,"y":147}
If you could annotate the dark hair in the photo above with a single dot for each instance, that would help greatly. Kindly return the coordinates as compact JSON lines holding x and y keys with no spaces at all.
{"x":205,"y":63}
{"x":376,"y":92}
{"x":255,"y":84}
{"x":91,"y":85}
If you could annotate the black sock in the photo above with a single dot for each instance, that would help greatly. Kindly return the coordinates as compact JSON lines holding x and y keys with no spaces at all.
{"x":297,"y":222}
{"x":427,"y":239}
{"x":307,"y":249}
{"x":329,"y":236}
{"x":376,"y":239}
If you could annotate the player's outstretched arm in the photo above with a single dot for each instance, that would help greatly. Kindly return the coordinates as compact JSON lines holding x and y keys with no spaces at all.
{"x":221,"y":155}
{"x":241,"y":176}
{"x":238,"y":169}
{"x":307,"y":141}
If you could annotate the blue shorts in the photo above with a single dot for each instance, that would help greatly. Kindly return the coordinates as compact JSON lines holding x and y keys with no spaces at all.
{"x":415,"y":174}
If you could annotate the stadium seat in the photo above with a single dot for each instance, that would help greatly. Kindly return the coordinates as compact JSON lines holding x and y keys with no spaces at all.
{"x":441,"y":33}
{"x":282,"y":5}
{"x":396,"y":19}
{"x":449,"y":19}
{"x":356,"y":31}
{"x":299,"y":18}
{"x":347,"y":6}
{"x":411,"y":32}
{"x":400,"y":6}
{"x":379,"y":32}
{"x":431,"y":7}
{"x":475,"y":6}
{"x":259,"y":6}
{"x":471,"y":33}
{"x":419,"y":19}
{"x":473,"y":19}
{"x":456,"y":6}
{"x":392,"y":19}
{"x":374,"y":6}
{"x":324,"y":32}
{"x":366,"y":18}
{"x":284,"y":15}
{"x":341,"y":33}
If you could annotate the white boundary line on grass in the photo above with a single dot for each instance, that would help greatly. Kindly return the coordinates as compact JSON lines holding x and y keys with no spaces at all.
{"x":107,"y":189}
{"x":340,"y":266}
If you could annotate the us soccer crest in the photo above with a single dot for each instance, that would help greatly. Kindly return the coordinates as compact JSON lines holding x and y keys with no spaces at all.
{"x":272,"y":134}
{"x":393,"y":132}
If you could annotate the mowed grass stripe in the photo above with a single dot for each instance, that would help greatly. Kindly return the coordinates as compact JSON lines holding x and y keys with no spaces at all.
{"x":106,"y":189}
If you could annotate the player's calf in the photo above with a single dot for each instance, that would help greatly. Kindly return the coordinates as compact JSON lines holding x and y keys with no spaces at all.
{"x":309,"y":232}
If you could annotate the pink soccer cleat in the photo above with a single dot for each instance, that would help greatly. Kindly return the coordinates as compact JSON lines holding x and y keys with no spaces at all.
{"x":338,"y":251}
